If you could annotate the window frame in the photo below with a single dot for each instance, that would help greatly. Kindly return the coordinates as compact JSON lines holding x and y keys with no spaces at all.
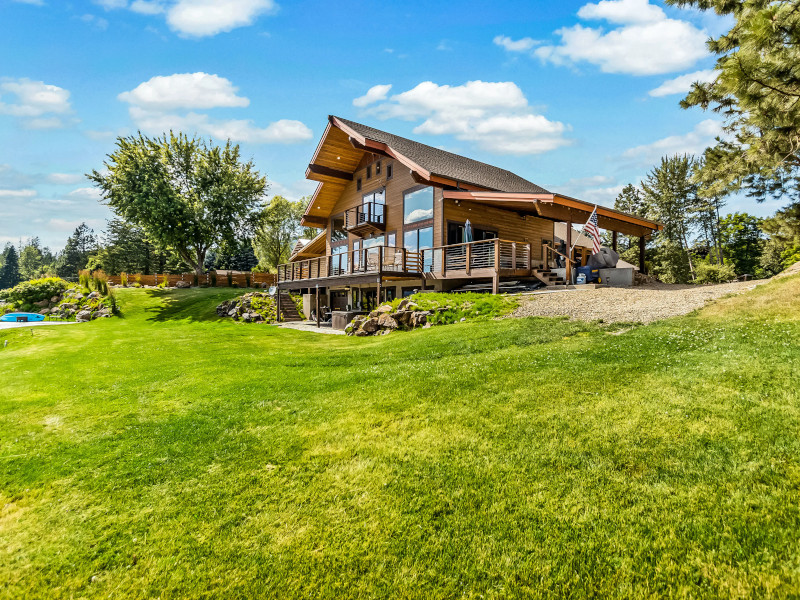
{"x":389,"y":171}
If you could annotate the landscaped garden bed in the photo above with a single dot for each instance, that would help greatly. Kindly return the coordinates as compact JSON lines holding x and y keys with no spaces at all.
{"x":428,"y":309}
{"x":60,"y":300}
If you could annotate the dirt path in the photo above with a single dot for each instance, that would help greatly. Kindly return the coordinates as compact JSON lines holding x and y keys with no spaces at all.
{"x":644,"y":303}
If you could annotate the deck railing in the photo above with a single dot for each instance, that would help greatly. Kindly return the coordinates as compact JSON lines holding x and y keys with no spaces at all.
{"x":494,"y":254}
{"x":368,"y":212}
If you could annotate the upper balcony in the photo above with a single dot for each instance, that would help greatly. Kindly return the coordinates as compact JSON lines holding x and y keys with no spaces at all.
{"x":365,"y":219}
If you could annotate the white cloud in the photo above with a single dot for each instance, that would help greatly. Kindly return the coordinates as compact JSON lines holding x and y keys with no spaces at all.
{"x":35,"y":102}
{"x":200,"y":18}
{"x":494,"y":115}
{"x":159,"y":104}
{"x":111,"y":4}
{"x":96,"y":22}
{"x":694,"y":142}
{"x":374,"y":94}
{"x":683,"y":83}
{"x":64,"y":178}
{"x":647,"y":42}
{"x":145,"y":7}
{"x":521,"y":45}
{"x":622,"y":11}
{"x":598,"y":189}
{"x":184,"y":90}
{"x":85,"y":193}
{"x":16,"y":194}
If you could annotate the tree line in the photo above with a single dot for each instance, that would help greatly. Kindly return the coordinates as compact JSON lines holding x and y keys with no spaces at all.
{"x":180,"y":205}
{"x":698,"y":243}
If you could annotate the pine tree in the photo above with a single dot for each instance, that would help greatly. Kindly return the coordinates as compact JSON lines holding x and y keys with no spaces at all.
{"x":757,"y":92}
{"x":9,"y":273}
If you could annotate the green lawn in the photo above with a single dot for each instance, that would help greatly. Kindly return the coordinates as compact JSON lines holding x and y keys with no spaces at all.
{"x":172,"y":454}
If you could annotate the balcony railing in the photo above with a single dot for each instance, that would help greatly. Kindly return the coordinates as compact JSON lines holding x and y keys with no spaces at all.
{"x":465,"y":258}
{"x":366,"y":218}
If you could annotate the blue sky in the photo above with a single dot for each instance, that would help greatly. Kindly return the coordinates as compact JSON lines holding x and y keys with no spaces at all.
{"x":578,"y":97}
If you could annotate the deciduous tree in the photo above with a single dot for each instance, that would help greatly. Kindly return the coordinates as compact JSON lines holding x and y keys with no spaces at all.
{"x":185,"y":194}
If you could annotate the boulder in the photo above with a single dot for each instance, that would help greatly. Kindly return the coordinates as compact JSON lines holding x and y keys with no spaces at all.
{"x":403,"y":303}
{"x":67,"y":306}
{"x":232,"y":312}
{"x":94,"y":295}
{"x":104,"y":312}
{"x":55,"y":299}
{"x":183,"y":285}
{"x":83,"y":316}
{"x":384,"y":308}
{"x":42,"y":303}
{"x":387,"y":322}
{"x":360,"y":333}
{"x":44,"y":311}
{"x":403,"y":317}
{"x":370,"y":325}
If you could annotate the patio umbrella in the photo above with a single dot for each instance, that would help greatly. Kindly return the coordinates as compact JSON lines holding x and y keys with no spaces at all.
{"x":467,"y":231}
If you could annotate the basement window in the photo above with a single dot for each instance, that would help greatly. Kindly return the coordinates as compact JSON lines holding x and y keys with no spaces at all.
{"x":358,"y":184}
{"x":369,"y":172}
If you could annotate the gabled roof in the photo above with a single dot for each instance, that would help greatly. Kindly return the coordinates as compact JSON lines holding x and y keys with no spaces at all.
{"x":305,"y":248}
{"x":446,"y":164}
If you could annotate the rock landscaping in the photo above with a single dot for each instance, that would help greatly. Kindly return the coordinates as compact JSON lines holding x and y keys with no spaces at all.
{"x":386,"y":318}
{"x":81,"y":306}
{"x":57,"y":299}
{"x":253,"y":307}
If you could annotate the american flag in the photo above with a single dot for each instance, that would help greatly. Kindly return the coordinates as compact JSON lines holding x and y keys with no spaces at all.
{"x":593,"y":231}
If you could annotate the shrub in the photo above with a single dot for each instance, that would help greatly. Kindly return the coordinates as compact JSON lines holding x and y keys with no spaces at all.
{"x":123,"y":279}
{"x":164,"y":283}
{"x":139,"y":280}
{"x":136,"y":284}
{"x":708,"y":273}
{"x":36,"y":290}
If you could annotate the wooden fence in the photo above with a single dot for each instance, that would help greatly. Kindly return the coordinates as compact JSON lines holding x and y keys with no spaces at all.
{"x":239,"y":279}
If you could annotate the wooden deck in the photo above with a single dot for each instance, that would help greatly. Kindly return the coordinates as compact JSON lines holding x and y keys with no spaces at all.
{"x":490,"y":259}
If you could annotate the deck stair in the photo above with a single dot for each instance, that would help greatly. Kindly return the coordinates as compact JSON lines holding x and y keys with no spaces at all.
{"x":548,"y":277}
{"x":289,"y":309}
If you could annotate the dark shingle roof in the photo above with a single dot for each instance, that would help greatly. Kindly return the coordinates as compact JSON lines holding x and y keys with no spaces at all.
{"x":447,"y":164}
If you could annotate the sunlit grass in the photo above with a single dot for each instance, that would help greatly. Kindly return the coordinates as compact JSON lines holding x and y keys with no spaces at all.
{"x":173,"y":454}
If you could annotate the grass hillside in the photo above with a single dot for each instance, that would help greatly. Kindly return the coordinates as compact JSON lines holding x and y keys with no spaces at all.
{"x":173,"y":454}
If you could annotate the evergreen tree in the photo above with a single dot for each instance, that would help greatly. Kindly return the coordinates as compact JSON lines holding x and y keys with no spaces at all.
{"x":32,"y":259}
{"x":757,"y":91}
{"x":670,"y":197}
{"x":9,"y":273}
{"x":77,"y":251}
{"x":741,"y":237}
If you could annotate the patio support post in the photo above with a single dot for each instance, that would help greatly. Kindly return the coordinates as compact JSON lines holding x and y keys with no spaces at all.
{"x":278,"y":304}
{"x":614,"y":241}
{"x":317,"y":311}
{"x":469,"y":258}
{"x":569,"y":253}
{"x":642,"y":268}
{"x":378,"y":295}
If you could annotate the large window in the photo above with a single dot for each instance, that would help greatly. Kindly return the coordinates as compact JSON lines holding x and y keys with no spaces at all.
{"x":418,"y":239}
{"x":418,"y":205}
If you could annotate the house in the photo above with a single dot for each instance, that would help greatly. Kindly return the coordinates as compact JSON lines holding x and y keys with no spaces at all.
{"x":393,"y":213}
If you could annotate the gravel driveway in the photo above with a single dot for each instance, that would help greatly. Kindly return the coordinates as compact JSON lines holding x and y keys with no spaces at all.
{"x":642,"y":303}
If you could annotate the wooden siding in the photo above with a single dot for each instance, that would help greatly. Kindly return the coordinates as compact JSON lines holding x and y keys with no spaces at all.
{"x":509,"y":225}
{"x":401,"y":180}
